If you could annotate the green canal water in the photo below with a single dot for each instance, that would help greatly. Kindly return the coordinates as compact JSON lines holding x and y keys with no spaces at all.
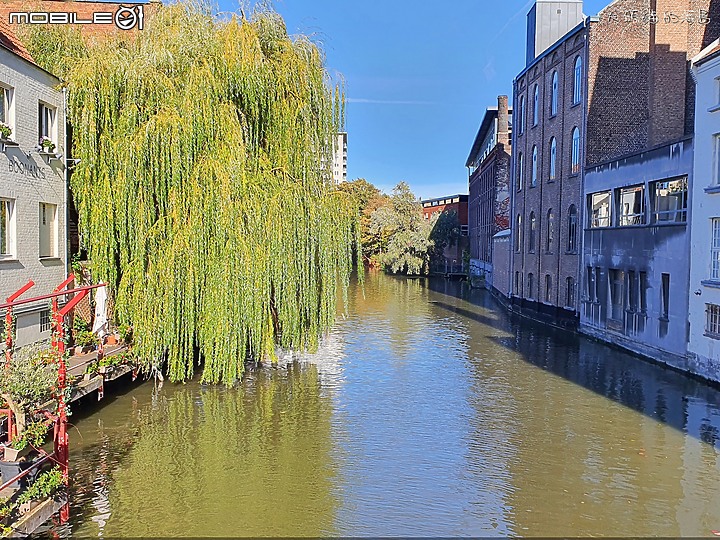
{"x":428,"y":411}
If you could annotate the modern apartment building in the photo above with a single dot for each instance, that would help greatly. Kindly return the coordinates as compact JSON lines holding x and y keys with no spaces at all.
{"x":489,"y":191}
{"x":339,"y":165}
{"x":704,"y":298}
{"x":32,"y":184}
{"x":549,"y":101}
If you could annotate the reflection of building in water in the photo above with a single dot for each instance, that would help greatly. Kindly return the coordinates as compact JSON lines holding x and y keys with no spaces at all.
{"x":101,"y":488}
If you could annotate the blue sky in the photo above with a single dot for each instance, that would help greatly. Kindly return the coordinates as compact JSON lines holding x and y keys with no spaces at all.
{"x":419,"y":76}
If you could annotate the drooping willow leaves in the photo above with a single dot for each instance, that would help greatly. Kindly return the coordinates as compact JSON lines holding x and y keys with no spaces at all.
{"x":204,"y":189}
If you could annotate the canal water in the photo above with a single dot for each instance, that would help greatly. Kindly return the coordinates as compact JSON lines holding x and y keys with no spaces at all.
{"x":428,"y":411}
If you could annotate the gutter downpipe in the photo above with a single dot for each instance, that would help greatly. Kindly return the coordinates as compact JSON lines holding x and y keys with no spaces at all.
{"x":67,"y":185}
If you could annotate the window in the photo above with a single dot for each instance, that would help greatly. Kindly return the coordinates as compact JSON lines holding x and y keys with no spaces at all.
{"x":520,"y":171}
{"x":617,"y":294}
{"x":531,"y":284}
{"x":553,"y":158}
{"x":716,"y":173}
{"x":536,"y":105}
{"x":46,"y":122}
{"x":570,"y":292}
{"x":554,"y":94}
{"x":591,"y":284}
{"x":712,"y":326}
{"x":600,"y":209}
{"x":464,"y":230}
{"x":6,"y":108}
{"x":572,"y":229}
{"x":643,"y":291}
{"x":632,"y":291}
{"x":531,"y":232}
{"x":7,"y":228}
{"x":48,"y":230}
{"x":550,"y":231}
{"x":577,"y":81}
{"x":521,"y":118}
{"x":631,"y":206}
{"x":518,"y":234}
{"x":575,"y":157}
{"x":533,"y":181}
{"x":715,"y":250}
{"x":669,"y":200}
{"x":45,"y":320}
{"x":548,"y":288}
{"x":665,"y":296}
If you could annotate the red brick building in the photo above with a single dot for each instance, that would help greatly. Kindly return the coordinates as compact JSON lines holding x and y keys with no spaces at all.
{"x":452,"y":203}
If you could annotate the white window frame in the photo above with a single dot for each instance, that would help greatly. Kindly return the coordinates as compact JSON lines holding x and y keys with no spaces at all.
{"x":715,"y":249}
{"x":9,"y":228}
{"x":47,"y":114}
{"x":45,"y":320}
{"x":597,"y":220}
{"x":575,"y":153}
{"x":7,"y":97}
{"x":43,"y":211}
{"x":712,"y":321}
{"x":577,"y":81}
{"x":627,"y":216}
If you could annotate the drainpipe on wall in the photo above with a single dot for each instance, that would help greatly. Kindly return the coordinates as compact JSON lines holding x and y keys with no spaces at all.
{"x":67,"y":187}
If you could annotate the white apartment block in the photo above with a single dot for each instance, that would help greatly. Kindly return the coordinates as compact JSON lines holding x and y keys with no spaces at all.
{"x":704,"y":343}
{"x":32,"y":186}
{"x":340,"y":158}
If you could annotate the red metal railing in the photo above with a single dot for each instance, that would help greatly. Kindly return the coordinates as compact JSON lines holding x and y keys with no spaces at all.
{"x":27,"y":471}
{"x":60,"y":454}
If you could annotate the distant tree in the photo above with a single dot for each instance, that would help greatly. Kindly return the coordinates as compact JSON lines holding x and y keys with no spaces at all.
{"x":361,"y":190}
{"x":404,"y":232}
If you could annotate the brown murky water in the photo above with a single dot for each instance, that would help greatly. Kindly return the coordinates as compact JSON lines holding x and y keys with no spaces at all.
{"x":428,"y":411}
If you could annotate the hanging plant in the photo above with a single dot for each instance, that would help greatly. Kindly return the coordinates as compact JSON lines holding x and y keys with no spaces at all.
{"x":204,"y":186}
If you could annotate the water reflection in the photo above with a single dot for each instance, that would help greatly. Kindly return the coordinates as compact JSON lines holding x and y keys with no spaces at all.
{"x":428,"y":411}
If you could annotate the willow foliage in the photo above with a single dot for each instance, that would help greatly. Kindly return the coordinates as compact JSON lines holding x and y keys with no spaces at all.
{"x":204,"y":188}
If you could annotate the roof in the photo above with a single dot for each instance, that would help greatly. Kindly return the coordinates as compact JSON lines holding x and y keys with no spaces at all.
{"x":9,"y":40}
{"x":463,"y":198}
{"x":713,"y":51}
{"x":486,"y":124}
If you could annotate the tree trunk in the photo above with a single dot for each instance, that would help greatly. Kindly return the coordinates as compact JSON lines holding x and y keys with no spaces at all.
{"x":18,"y":413}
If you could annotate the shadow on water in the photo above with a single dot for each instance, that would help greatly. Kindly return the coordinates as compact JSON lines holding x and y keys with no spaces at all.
{"x":658,"y":392}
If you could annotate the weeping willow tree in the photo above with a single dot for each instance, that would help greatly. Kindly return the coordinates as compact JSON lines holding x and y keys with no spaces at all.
{"x":204,"y":189}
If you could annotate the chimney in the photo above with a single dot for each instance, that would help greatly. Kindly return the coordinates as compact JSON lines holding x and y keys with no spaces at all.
{"x":503,"y":125}
{"x":548,"y":21}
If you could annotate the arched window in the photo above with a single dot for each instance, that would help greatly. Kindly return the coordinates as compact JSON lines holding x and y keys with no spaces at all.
{"x":577,"y":81}
{"x":536,"y":105}
{"x":521,"y":119}
{"x":531,"y":284}
{"x":550,"y":239}
{"x":520,"y":171}
{"x":518,"y":234}
{"x":572,"y":229}
{"x":554,"y":94}
{"x":553,"y":158}
{"x":531,"y":233}
{"x":548,"y":288}
{"x":575,"y":158}
{"x":534,"y":166}
{"x":570,"y":293}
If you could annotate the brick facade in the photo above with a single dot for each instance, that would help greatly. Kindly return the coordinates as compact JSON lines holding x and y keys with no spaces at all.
{"x":544,"y":276}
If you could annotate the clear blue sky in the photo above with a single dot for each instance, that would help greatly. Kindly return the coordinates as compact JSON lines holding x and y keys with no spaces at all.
{"x":419,"y":76}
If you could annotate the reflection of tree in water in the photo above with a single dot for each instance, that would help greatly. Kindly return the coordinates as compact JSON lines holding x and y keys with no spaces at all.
{"x":252,"y":460}
{"x":709,"y":434}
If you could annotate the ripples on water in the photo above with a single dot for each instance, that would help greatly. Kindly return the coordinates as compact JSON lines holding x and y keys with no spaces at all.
{"x":428,"y":411}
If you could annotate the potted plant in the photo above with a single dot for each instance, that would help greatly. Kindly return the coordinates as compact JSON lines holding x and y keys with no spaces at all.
{"x":5,"y":131}
{"x":90,"y":371}
{"x":46,"y":145}
{"x":84,"y":342}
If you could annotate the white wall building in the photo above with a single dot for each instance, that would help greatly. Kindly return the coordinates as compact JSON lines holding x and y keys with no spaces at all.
{"x":340,"y":158}
{"x":704,"y":312}
{"x":32,"y":186}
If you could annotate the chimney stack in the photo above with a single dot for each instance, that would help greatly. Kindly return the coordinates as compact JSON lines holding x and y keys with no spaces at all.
{"x":503,"y":128}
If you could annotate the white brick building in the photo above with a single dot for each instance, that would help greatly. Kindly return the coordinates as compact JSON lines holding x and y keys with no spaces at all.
{"x":32,"y":185}
{"x":704,"y":345}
